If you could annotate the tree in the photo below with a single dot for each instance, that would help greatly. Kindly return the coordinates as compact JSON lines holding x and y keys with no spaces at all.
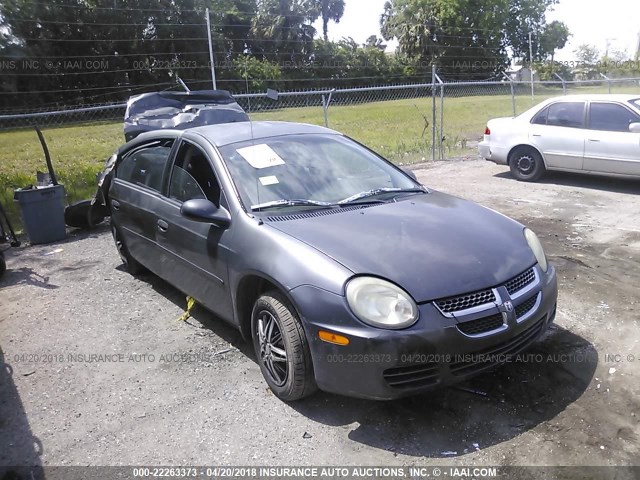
{"x":554,"y":37}
{"x":330,"y":10}
{"x":524,"y":17}
{"x":460,"y":36}
{"x":282,"y":29}
{"x":467,"y":39}
{"x":374,"y":42}
{"x":587,"y":56}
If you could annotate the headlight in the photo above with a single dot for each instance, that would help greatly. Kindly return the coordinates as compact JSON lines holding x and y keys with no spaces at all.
{"x":380,"y":303}
{"x":536,"y":247}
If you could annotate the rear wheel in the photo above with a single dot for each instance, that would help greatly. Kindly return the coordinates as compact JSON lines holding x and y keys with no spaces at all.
{"x":131,"y":264}
{"x":281,"y":348}
{"x":3,"y":264}
{"x":526,"y":164}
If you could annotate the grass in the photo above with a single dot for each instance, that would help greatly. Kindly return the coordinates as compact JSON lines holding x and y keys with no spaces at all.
{"x":395,"y":129}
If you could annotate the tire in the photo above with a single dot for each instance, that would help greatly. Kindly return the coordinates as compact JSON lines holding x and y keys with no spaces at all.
{"x":281,"y":348}
{"x":131,"y":264}
{"x":3,"y":264}
{"x":526,"y":164}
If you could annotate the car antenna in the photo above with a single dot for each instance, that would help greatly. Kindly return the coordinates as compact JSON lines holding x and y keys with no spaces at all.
{"x":184,"y":85}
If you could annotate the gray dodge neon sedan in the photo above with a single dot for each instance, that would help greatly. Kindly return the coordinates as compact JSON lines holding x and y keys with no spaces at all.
{"x":345,"y":273}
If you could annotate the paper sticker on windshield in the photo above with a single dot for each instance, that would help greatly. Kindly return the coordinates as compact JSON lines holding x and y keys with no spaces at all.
{"x":270,"y":180}
{"x":261,"y":156}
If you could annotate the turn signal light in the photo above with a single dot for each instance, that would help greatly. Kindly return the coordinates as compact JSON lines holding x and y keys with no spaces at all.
{"x":487,"y":131}
{"x":333,"y":338}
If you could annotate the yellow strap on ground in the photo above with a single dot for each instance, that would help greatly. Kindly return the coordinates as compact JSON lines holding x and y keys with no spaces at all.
{"x":191,"y":302}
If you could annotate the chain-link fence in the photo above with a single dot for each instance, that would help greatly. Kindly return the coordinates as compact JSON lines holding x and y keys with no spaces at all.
{"x":427,"y":120}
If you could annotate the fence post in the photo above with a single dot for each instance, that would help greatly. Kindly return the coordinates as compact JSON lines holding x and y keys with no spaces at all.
{"x":564,"y":85}
{"x":608,"y":81}
{"x":440,"y":143}
{"x":213,"y":65}
{"x":325,"y":106}
{"x":433,"y":126}
{"x":513,"y":92}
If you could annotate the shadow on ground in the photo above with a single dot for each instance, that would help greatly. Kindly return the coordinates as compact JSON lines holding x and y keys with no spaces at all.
{"x":488,"y":410}
{"x":19,"y":447}
{"x":593,"y":182}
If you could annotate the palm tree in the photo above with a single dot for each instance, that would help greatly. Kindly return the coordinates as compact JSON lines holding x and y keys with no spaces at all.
{"x":330,"y":10}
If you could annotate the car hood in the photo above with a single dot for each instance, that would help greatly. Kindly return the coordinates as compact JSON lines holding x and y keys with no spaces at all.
{"x":432,"y":245}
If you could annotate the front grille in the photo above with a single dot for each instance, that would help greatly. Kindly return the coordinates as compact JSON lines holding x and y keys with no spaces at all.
{"x":482,"y":325}
{"x":455,"y":304}
{"x":412,"y":376}
{"x":497,"y":354}
{"x":525,"y":307}
{"x":516,"y":284}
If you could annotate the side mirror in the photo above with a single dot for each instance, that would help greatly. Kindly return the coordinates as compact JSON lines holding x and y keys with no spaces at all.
{"x":201,"y":210}
{"x":634,"y":127}
{"x":410,"y":172}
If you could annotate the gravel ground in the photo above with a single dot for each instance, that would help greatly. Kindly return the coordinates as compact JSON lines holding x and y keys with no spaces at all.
{"x":211,"y":406}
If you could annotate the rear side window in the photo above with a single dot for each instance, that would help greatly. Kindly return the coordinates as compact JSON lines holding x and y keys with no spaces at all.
{"x":611,"y":117}
{"x":566,"y":114}
{"x":541,"y":118}
{"x":145,"y":166}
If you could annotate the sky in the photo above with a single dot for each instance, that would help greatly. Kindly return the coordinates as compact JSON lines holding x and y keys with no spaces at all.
{"x":595,"y":22}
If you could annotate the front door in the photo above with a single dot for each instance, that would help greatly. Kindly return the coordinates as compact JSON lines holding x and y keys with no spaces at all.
{"x":195,"y":255}
{"x":611,"y":147}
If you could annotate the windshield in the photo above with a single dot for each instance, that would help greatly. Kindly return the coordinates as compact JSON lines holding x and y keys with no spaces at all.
{"x":310,"y":171}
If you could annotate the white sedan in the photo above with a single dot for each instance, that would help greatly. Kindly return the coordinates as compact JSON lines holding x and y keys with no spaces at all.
{"x":597,"y":134}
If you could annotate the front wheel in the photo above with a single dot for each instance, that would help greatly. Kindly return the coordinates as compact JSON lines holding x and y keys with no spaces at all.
{"x":281,"y":348}
{"x":526,"y":164}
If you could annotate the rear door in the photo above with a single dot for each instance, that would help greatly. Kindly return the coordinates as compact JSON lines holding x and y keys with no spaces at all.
{"x":558,"y":132}
{"x":134,"y":196}
{"x":611,"y":147}
{"x":195,"y":254}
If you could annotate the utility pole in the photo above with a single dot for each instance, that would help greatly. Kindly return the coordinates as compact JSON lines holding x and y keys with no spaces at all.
{"x":213,"y":66}
{"x":531,"y":66}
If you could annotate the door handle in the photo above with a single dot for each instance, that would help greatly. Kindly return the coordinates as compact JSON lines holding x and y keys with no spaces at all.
{"x":115,"y":204}
{"x":536,"y":135}
{"x":163,"y":226}
{"x":593,"y":140}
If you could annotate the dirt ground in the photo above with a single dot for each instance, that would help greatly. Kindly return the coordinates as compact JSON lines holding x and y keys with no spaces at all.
{"x":577,"y":402}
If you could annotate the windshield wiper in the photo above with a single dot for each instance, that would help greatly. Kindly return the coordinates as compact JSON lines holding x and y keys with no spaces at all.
{"x":379,"y":191}
{"x":290,"y":203}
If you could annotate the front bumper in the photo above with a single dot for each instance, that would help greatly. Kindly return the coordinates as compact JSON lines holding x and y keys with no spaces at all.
{"x":386,"y":364}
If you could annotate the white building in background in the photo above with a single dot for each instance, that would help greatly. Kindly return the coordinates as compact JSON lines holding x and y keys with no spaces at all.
{"x":518,"y":73}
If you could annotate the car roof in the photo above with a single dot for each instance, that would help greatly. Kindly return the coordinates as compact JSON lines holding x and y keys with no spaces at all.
{"x":619,"y":97}
{"x":227,"y":133}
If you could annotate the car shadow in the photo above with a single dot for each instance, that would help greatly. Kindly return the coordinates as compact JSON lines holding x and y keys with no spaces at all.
{"x":21,"y":450}
{"x":201,"y":318}
{"x":593,"y":182}
{"x":535,"y":387}
{"x":485,"y":411}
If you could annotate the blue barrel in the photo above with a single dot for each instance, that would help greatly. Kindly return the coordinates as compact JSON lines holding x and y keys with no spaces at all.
{"x":42,"y":212}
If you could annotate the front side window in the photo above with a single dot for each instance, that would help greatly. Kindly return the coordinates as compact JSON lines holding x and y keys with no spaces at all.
{"x":566,"y":114}
{"x":145,"y":166}
{"x":611,"y":117}
{"x":192,"y":176}
{"x":309,"y":168}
